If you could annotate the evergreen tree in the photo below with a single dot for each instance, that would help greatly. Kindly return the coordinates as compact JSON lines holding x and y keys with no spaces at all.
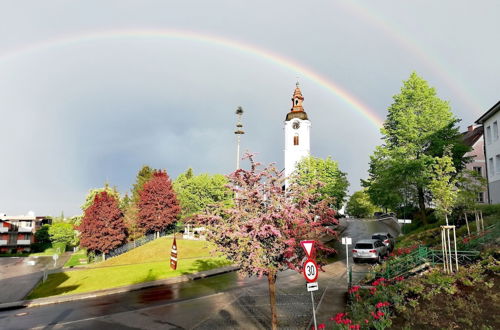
{"x":158,"y":204}
{"x":102,"y":228}
{"x":144,"y":175}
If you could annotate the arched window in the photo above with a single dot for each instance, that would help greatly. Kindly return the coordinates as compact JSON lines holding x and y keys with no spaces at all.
{"x":296,"y":140}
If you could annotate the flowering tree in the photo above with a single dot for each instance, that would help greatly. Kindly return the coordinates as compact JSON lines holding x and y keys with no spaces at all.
{"x":261,"y":233}
{"x":158,"y":204}
{"x":102,"y":228}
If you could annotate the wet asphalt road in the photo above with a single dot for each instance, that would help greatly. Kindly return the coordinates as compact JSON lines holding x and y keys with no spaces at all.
{"x":218,"y":302}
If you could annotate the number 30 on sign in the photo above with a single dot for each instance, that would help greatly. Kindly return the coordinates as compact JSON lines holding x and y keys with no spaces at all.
{"x":310,"y":271}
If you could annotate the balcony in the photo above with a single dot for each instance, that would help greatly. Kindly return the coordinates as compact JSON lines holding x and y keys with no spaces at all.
{"x":23,"y":242}
{"x":3,"y":242}
{"x":24,"y":229}
{"x":4,"y":229}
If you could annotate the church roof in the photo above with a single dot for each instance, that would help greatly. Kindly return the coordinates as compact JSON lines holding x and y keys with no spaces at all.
{"x":297,"y":110}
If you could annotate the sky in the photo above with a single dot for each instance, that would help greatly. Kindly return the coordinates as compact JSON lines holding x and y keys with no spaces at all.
{"x":90,"y":90}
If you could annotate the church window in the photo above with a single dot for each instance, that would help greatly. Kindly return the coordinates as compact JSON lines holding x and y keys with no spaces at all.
{"x":296,"y":140}
{"x":296,"y":101}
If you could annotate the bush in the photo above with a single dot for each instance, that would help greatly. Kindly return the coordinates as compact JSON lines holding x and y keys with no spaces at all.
{"x":493,"y":209}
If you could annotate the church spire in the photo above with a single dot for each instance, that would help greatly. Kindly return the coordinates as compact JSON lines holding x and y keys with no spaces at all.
{"x":297,"y":99}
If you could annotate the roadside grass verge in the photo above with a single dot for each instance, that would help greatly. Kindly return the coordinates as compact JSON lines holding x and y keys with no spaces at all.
{"x":159,"y":250}
{"x":75,"y":258}
{"x":92,"y":279}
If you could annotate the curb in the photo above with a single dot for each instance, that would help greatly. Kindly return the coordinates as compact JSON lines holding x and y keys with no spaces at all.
{"x":105,"y":292}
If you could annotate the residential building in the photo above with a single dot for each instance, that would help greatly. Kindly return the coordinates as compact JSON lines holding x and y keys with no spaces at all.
{"x":490,"y":121}
{"x":17,"y":233}
{"x":473,"y":137}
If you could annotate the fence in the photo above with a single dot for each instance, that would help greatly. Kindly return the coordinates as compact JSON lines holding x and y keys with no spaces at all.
{"x":134,"y":244}
{"x":410,"y":263}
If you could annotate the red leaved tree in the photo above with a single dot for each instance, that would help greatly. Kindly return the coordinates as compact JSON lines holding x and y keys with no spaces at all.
{"x":262,"y":232}
{"x":102,"y":228}
{"x":158,"y":204}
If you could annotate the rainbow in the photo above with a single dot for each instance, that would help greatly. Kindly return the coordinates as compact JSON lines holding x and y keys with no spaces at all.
{"x":395,"y":32}
{"x":241,"y":47}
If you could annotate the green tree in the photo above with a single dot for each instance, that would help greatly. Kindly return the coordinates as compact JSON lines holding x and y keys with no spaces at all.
{"x":323,"y":174}
{"x":360,"y":205}
{"x":42,"y":235}
{"x":443,"y":185}
{"x":93,"y":192}
{"x":62,"y":233}
{"x":418,"y":127}
{"x":197,"y":192}
{"x":144,"y":175}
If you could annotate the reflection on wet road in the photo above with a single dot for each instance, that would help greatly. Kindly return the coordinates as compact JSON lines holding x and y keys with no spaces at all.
{"x":219,"y":302}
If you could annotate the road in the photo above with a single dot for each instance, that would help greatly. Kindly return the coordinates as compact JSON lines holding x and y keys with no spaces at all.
{"x":219,"y":302}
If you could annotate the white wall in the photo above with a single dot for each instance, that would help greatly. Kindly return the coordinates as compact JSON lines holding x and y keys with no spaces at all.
{"x":294,"y":153}
{"x":492,"y":144}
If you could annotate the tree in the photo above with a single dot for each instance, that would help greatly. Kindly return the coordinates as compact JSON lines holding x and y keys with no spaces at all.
{"x":197,"y":192}
{"x":130,"y":219}
{"x":418,"y":127}
{"x":261,"y":232}
{"x":360,"y":205}
{"x":93,"y":192}
{"x":443,"y":185}
{"x":102,"y":227}
{"x":310,"y":171}
{"x":144,"y":175}
{"x":158,"y":204}
{"x":42,"y":238}
{"x":62,"y":233}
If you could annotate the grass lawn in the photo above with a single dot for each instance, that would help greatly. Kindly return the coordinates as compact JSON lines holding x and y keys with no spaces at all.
{"x":75,"y":258}
{"x":146,"y":263}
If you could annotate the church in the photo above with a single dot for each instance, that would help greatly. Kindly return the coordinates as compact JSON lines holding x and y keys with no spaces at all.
{"x":297,"y":133}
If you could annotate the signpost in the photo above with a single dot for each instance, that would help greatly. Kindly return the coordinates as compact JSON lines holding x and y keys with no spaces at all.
{"x":173,"y":255}
{"x":55,"y":257}
{"x":310,"y":271}
{"x":347,"y":241}
{"x":403,"y":221}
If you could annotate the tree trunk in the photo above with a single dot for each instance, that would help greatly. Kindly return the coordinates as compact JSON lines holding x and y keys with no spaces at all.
{"x":271,"y":277}
{"x":421,"y":204}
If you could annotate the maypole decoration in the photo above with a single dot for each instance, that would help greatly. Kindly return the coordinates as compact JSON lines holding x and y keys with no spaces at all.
{"x":173,"y":255}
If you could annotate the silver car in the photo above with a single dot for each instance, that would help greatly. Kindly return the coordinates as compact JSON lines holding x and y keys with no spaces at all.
{"x":386,"y":238}
{"x":369,"y":249}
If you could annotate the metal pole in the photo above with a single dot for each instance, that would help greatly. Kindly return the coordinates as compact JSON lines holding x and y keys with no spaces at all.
{"x":314,"y":311}
{"x":347,"y":261}
{"x":238,"y":154}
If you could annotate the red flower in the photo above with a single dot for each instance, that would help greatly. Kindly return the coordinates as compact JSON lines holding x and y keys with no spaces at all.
{"x":366,"y":321}
{"x":321,"y":326}
{"x":355,"y":326}
{"x":354,"y":289}
{"x":382,"y":304}
{"x":373,"y":290}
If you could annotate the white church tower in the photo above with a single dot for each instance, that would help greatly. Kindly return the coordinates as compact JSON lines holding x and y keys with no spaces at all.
{"x":297,"y":133}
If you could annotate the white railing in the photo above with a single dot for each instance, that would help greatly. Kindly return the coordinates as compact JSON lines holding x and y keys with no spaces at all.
{"x":4,"y":229}
{"x":23,"y":242}
{"x":3,"y":242}
{"x":24,"y":229}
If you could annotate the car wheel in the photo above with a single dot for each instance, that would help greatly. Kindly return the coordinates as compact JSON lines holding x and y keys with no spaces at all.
{"x":355,"y":260}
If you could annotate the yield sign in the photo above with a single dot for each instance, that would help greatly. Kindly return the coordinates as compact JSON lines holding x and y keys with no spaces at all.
{"x":308,"y":247}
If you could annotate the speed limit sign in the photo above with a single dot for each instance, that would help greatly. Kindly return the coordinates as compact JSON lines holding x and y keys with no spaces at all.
{"x":310,"y":271}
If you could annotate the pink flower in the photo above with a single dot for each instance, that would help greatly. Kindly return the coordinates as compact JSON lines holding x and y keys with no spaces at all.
{"x":382,"y":304}
{"x":321,"y":326}
{"x":355,"y":326}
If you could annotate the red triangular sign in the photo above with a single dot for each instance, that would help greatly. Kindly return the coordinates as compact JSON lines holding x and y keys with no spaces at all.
{"x":308,"y":247}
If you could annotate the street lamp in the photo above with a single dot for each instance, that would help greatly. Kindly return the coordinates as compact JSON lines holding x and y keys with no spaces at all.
{"x":239,"y":131}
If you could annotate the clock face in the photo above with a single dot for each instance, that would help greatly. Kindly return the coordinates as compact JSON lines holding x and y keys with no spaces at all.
{"x":296,"y":125}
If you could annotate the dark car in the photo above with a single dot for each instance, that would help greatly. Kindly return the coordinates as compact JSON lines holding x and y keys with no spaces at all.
{"x":386,"y":238}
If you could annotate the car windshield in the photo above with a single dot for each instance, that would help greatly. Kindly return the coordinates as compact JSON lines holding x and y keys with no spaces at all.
{"x":364,"y":246}
{"x":380,"y":237}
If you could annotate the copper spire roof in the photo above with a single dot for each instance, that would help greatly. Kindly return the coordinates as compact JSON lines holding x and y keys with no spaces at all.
{"x":297,"y":110}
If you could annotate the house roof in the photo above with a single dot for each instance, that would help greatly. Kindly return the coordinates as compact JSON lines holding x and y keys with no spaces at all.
{"x":471,"y":137}
{"x":494,"y":109}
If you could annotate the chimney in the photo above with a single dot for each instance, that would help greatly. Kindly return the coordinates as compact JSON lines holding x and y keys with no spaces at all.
{"x":470,"y":128}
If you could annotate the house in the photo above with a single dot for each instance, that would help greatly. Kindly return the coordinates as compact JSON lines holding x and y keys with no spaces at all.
{"x":473,"y":138}
{"x":17,"y":233}
{"x":490,"y":121}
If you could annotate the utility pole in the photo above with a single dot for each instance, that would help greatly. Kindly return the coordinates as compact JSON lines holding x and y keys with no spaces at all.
{"x":239,"y":131}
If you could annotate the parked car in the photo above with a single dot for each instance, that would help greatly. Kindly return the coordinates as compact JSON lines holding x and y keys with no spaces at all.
{"x":386,"y":238}
{"x":369,"y":249}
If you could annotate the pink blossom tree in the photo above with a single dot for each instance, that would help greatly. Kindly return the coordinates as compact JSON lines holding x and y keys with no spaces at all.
{"x":261,"y":233}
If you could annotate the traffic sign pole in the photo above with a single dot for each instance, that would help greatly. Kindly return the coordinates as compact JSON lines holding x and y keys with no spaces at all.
{"x":314,"y":311}
{"x":310,"y":271}
{"x":347,"y":241}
